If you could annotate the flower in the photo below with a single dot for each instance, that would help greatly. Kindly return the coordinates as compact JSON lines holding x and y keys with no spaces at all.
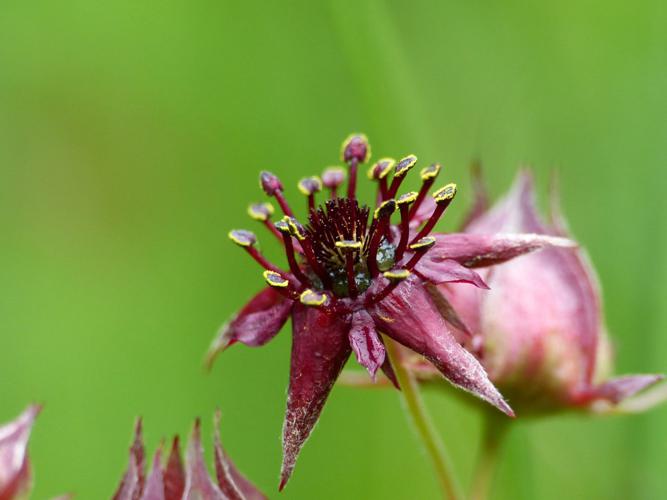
{"x":353,"y":274}
{"x":15,"y":476}
{"x":172,"y":481}
{"x":539,"y":330}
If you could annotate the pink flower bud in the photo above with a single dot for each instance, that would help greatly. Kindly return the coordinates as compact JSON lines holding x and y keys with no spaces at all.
{"x":539,"y":330}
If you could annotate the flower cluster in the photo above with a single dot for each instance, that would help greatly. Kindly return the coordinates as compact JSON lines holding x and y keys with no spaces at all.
{"x":352,"y":274}
{"x":173,"y":481}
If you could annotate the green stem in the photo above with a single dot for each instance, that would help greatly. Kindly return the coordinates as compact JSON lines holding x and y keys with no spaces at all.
{"x":417,"y":410}
{"x":495,"y":429}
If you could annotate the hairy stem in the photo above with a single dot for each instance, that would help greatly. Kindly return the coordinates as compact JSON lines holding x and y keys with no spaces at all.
{"x":495,"y":430}
{"x":414,"y":405}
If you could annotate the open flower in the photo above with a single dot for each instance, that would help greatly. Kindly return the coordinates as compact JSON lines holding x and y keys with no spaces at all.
{"x":15,"y":477}
{"x":352,"y":273}
{"x":539,"y":330}
{"x":172,"y":481}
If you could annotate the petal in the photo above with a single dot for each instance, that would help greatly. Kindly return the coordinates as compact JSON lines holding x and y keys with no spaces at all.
{"x":365,"y":342}
{"x":617,"y":389}
{"x":198,"y":484}
{"x":132,"y":484}
{"x":446,"y":309}
{"x":648,"y":399}
{"x":174,"y":475}
{"x":389,"y":372}
{"x":257,"y":323}
{"x":448,"y":271}
{"x":320,"y":348}
{"x":232,"y":483}
{"x":409,"y":316}
{"x":155,"y":482}
{"x":481,"y":250}
{"x":14,"y":464}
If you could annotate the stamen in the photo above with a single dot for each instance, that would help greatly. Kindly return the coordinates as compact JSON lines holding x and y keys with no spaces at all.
{"x":285,"y":230}
{"x":312,"y":298}
{"x":299,"y":232}
{"x":401,"y":170}
{"x":309,"y":186}
{"x":382,"y":216}
{"x":247,"y":240}
{"x":379,"y":172}
{"x":355,"y":150}
{"x":280,"y":284}
{"x":397,"y":274}
{"x":350,"y":247}
{"x":262,"y":212}
{"x":420,"y":247}
{"x":395,"y":277}
{"x":443,"y":197}
{"x":403,"y":203}
{"x":428,"y":175}
{"x":332,"y":178}
{"x":273,"y":187}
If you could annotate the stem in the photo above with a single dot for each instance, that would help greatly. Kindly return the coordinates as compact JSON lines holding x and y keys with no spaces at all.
{"x":415,"y":407}
{"x":495,"y":430}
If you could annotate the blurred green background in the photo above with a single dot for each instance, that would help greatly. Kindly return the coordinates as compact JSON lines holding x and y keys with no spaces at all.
{"x":131,"y":135}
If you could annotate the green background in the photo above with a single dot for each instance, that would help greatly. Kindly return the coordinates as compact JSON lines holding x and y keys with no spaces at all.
{"x":131,"y":135}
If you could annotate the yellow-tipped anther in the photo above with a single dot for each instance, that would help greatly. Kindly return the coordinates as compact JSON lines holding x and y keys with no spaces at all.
{"x":310,"y":185}
{"x":260,"y":211}
{"x":446,"y":193}
{"x":381,"y":168}
{"x":404,"y":165}
{"x":242,"y":237}
{"x":423,"y":243}
{"x":397,"y":274}
{"x":386,"y":208}
{"x":275,"y":280}
{"x":312,"y":298}
{"x":430,"y":172}
{"x":355,"y":146}
{"x":407,"y":198}
{"x":282,"y":226}
{"x":296,"y":229}
{"x":349,"y":244}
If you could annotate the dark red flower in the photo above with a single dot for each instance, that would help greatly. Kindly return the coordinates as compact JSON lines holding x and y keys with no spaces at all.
{"x":172,"y":481}
{"x":15,"y":477}
{"x":353,"y":274}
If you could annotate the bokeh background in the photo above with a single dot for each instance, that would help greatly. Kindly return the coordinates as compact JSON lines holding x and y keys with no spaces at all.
{"x":131,"y":134}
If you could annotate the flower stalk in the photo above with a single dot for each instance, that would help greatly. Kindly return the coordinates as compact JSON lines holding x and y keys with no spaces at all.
{"x":493,"y":436}
{"x":415,"y":408}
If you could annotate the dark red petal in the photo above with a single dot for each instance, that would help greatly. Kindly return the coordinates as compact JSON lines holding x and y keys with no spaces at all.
{"x":320,"y":348}
{"x":155,"y":482}
{"x":617,"y":389}
{"x":232,"y":483}
{"x":174,"y":475}
{"x":389,"y":372}
{"x":257,"y":323}
{"x":365,"y":342}
{"x":132,"y":484}
{"x":198,"y":484}
{"x":14,"y":463}
{"x":448,"y":271}
{"x":481,"y":250}
{"x":409,"y":316}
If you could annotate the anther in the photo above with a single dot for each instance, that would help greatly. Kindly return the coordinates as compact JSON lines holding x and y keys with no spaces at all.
{"x":420,"y":247}
{"x":397,"y":274}
{"x":403,"y":203}
{"x":355,"y":150}
{"x":378,"y":172}
{"x":332,"y":178}
{"x":309,"y":186}
{"x":286,"y":230}
{"x":275,"y":280}
{"x":443,"y":197}
{"x":428,"y":176}
{"x":350,"y":247}
{"x":273,"y":187}
{"x":262,"y":212}
{"x":247,"y":240}
{"x":400,"y":171}
{"x":395,"y":277}
{"x":312,"y":298}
